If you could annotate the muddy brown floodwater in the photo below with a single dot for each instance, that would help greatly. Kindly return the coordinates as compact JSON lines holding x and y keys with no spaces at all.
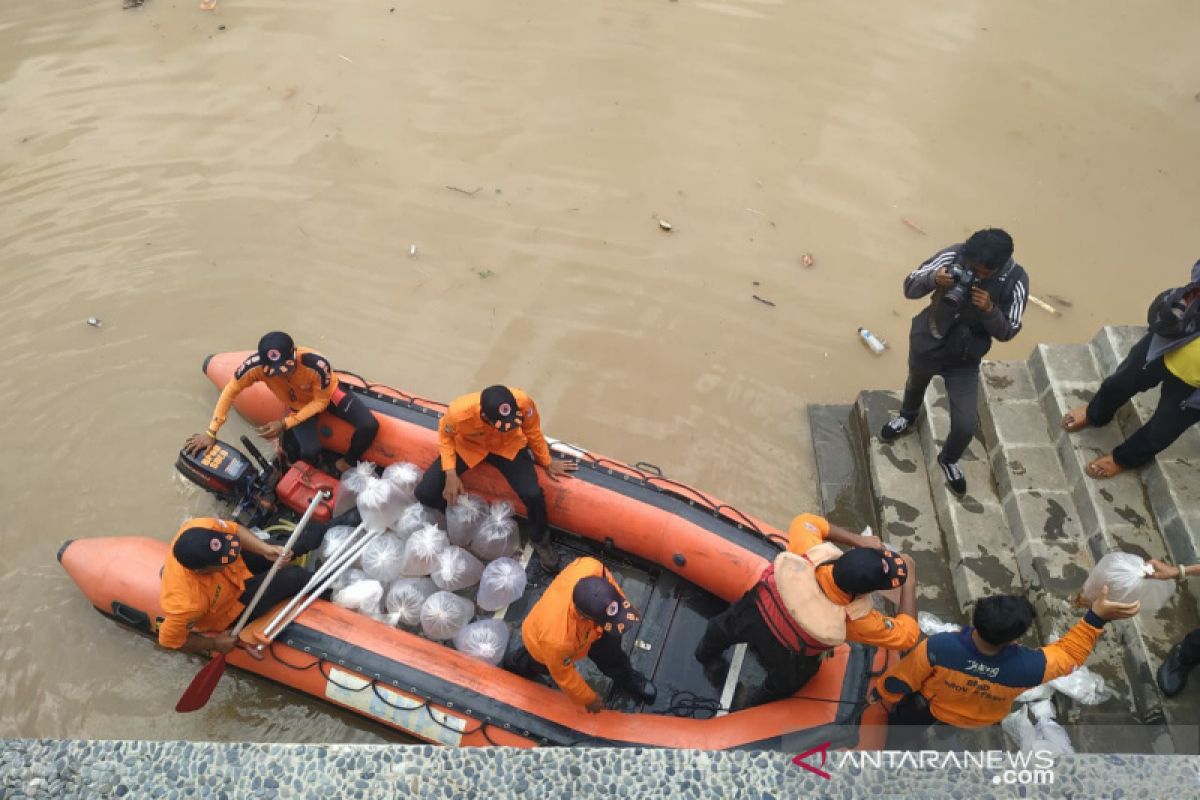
{"x":195,"y":178}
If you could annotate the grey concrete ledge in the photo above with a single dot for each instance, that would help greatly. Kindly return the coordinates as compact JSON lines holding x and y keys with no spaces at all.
{"x":40,"y":768}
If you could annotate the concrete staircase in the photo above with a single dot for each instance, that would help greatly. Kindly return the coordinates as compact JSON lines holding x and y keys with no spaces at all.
{"x":1033,"y":523}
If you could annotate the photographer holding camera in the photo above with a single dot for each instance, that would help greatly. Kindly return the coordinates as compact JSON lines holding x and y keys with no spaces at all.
{"x":979,"y":294}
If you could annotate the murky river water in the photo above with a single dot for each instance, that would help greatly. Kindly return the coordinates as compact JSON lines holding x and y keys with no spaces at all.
{"x":194,"y":179}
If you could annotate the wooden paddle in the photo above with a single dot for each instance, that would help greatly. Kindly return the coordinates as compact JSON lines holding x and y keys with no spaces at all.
{"x":201,"y":688}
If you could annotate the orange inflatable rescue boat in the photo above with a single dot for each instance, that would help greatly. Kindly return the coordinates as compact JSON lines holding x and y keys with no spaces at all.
{"x":679,"y":554}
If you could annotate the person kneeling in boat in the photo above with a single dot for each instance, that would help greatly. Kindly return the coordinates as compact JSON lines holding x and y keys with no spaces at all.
{"x":582,"y":613}
{"x":500,"y":426}
{"x":304,"y":382}
{"x":970,"y":678}
{"x":212,"y":572}
{"x":811,"y":599}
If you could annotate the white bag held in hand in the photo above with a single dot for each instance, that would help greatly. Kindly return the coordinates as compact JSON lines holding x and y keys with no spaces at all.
{"x":376,"y":506}
{"x":444,"y":614}
{"x":403,"y":477}
{"x":485,"y":640}
{"x":361,"y":596}
{"x":333,"y":541}
{"x":406,"y":596}
{"x":421,"y":551}
{"x":502,"y":583}
{"x":383,"y":557}
{"x":1127,"y":578}
{"x":497,"y":536}
{"x":463,"y":518}
{"x":353,"y":481}
{"x":414,"y":517}
{"x":456,"y":569}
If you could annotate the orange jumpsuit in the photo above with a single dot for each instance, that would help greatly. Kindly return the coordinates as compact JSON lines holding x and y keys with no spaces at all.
{"x":556,"y":635}
{"x":462,"y":432}
{"x":305,"y":391}
{"x":200,"y":602}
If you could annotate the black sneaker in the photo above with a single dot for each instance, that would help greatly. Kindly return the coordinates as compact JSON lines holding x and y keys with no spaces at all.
{"x":1173,"y":674}
{"x":954,"y":476}
{"x":896,"y":427}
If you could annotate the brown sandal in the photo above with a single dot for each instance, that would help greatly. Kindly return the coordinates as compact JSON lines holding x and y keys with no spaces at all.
{"x":1075,"y":420}
{"x":1104,"y":467}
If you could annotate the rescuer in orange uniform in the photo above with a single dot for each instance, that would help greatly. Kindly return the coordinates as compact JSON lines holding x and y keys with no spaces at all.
{"x":304,"y":382}
{"x":969,"y":678}
{"x":212,"y":572}
{"x":812,"y":598}
{"x":500,"y":426}
{"x":583,"y":613}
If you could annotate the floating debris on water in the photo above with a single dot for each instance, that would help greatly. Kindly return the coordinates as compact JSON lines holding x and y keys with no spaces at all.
{"x":1062,"y":301}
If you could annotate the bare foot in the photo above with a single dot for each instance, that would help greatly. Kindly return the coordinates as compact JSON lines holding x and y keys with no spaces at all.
{"x":1075,"y":419}
{"x":1104,"y":467}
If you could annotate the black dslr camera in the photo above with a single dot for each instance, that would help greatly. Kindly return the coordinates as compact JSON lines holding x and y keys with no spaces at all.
{"x":964,"y":279}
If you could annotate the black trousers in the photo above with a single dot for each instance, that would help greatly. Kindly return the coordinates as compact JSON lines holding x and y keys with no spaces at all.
{"x":521,"y":474}
{"x":786,"y":669}
{"x":962,"y":390}
{"x":908,"y":722}
{"x":606,"y":653}
{"x":303,"y":443}
{"x":1133,"y":376}
{"x":287,"y":583}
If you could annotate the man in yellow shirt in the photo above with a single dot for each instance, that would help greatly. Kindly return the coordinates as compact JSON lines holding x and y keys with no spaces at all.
{"x":1167,"y":356}
{"x":812,"y":598}
{"x":500,"y":426}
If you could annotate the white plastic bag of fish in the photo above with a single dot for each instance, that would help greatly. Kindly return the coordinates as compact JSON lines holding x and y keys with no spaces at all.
{"x":1083,"y":686}
{"x":421,"y":551}
{"x":361,"y":596}
{"x":405,"y":597}
{"x":334,"y":540}
{"x":376,"y":505}
{"x":414,"y":517}
{"x":485,"y":640}
{"x":403,"y":478}
{"x":349,"y":576}
{"x":1127,"y":578}
{"x":383,"y":557}
{"x":353,"y":481}
{"x":456,"y":569}
{"x":502,"y":583}
{"x":444,"y":614}
{"x":463,"y":518}
{"x":497,"y":536}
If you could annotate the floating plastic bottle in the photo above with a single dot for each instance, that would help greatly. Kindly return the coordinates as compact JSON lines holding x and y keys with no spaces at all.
{"x":873,"y":342}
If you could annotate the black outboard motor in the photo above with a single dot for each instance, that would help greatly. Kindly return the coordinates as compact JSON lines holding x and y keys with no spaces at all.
{"x":222,"y":470}
{"x":231,"y":476}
